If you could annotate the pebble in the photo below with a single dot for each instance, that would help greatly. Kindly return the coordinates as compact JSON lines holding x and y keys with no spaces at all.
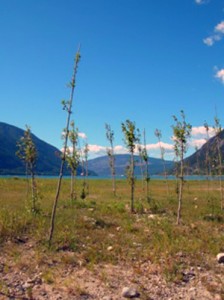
{"x":27,"y":285}
{"x":129,"y":292}
{"x":220,"y":258}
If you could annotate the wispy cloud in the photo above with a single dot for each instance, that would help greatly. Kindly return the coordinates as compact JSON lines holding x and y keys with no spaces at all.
{"x":200,"y":2}
{"x":200,"y":132}
{"x":167,"y":147}
{"x":120,"y":149}
{"x":218,"y":34}
{"x":97,"y":150}
{"x":198,"y":139}
{"x":82,"y":135}
{"x":199,"y":136}
{"x":197,"y":143}
{"x":152,"y":149}
{"x":220,"y":75}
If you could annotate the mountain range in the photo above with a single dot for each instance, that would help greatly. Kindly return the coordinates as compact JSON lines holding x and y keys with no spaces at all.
{"x":101,"y":165}
{"x":48,"y":162}
{"x":196,"y":163}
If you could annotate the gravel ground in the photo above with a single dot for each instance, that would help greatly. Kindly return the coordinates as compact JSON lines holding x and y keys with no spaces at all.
{"x":28,"y":274}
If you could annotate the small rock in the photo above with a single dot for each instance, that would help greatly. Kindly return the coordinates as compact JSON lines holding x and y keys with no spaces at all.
{"x":187,"y":276}
{"x":151,"y":216}
{"x":220,"y":258}
{"x":110,"y":248}
{"x":137,"y":244}
{"x":129,"y":292}
{"x":27,"y":285}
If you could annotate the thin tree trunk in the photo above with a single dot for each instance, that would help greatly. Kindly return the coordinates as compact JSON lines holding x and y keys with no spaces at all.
{"x":113,"y":174}
{"x":142,"y":173}
{"x":146,"y":167}
{"x":179,"y":211}
{"x":72,"y":187}
{"x":52,"y":224}
{"x":87,"y":175}
{"x":220,"y":173}
{"x":33,"y":192}
{"x":55,"y":203}
{"x":164,"y":168}
{"x":132,"y":182}
{"x":180,"y":192}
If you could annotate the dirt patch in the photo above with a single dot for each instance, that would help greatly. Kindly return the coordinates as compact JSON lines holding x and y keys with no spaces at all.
{"x":27,"y":272}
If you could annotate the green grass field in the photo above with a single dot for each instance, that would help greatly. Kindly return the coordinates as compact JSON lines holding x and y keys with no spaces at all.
{"x":101,"y":229}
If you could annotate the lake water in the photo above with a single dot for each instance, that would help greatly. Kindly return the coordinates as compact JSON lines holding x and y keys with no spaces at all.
{"x":153,"y":177}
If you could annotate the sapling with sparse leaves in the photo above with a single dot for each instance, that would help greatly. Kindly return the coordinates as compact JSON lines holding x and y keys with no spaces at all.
{"x":207,"y":157}
{"x":67,"y":106}
{"x":181,"y":135}
{"x":27,"y":152}
{"x":110,"y":153}
{"x":73,"y":158}
{"x":131,"y":138}
{"x":218,"y":162}
{"x":158,"y":134}
{"x":145,"y":161}
{"x":85,"y":185}
{"x":140,"y":154}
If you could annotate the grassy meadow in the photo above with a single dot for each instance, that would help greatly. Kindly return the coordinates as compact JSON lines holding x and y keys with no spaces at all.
{"x":101,"y":230}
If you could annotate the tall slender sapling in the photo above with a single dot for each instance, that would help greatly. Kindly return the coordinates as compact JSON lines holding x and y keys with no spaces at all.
{"x":207,"y":157}
{"x":85,"y":185}
{"x":27,"y":152}
{"x":73,"y":157}
{"x":67,"y":106}
{"x":219,"y":165}
{"x":131,"y":139}
{"x":158,"y":134}
{"x":110,"y":153}
{"x":181,"y":134}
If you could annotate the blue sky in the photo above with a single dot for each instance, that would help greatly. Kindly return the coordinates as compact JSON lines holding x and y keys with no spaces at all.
{"x":142,"y":60}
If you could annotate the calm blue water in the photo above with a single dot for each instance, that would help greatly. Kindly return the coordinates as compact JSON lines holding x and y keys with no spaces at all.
{"x":153,"y":177}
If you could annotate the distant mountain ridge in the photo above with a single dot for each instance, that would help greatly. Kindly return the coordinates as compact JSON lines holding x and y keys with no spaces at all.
{"x":101,"y":165}
{"x":196,"y":163}
{"x":48,"y":160}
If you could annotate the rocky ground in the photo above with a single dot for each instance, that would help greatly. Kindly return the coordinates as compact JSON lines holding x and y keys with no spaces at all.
{"x":28,"y":273}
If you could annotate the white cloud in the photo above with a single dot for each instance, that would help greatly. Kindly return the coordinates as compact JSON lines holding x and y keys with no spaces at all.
{"x":82,"y":135}
{"x":218,"y":34}
{"x":220,"y":75}
{"x":220,"y":27}
{"x":120,"y":150}
{"x":200,"y":132}
{"x":209,"y":41}
{"x":165,"y":146}
{"x":199,"y":136}
{"x":197,"y":143}
{"x":69,"y":150}
{"x":97,"y":149}
{"x":200,"y":2}
{"x":152,"y":149}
